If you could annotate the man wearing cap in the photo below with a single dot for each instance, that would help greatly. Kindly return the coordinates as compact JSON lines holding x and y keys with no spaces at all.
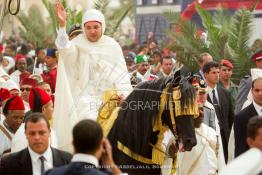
{"x":21,"y":67}
{"x":74,"y":31}
{"x":245,"y":83}
{"x":225,"y":73}
{"x":142,"y":72}
{"x":14,"y":112}
{"x":39,"y":101}
{"x":49,"y":76}
{"x":88,"y":65}
{"x":25,"y":86}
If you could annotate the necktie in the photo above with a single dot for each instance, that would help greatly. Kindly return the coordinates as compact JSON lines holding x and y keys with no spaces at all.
{"x":42,"y":159}
{"x":215,"y":102}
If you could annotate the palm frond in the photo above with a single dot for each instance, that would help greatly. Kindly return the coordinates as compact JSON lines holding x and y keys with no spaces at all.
{"x":73,"y":17}
{"x":35,"y":29}
{"x":101,"y":5}
{"x":118,"y":16}
{"x":52,"y":13}
{"x":238,"y":40}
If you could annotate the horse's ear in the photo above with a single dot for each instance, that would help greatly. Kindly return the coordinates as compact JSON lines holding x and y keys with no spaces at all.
{"x":176,"y":78}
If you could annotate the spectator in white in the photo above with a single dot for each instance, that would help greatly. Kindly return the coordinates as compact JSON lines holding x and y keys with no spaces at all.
{"x":14,"y":111}
{"x":206,"y":157}
{"x":21,"y":66}
{"x":7,"y":63}
{"x":89,"y":64}
{"x":39,"y":64}
{"x":12,"y":87}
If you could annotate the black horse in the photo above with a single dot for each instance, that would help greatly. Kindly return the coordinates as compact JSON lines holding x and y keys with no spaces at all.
{"x":133,"y":136}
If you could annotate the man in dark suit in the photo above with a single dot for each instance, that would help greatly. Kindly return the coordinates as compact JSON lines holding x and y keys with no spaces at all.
{"x":242,"y":118}
{"x":221,"y":100}
{"x":90,"y":147}
{"x":38,"y":156}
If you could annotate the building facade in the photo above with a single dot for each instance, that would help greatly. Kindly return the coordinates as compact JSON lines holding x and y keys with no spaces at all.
{"x":149,"y":18}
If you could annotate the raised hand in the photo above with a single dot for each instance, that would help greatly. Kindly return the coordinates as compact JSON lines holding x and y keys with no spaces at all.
{"x":61,"y":14}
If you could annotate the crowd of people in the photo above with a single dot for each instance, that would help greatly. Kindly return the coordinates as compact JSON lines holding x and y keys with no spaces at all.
{"x":72,"y":78}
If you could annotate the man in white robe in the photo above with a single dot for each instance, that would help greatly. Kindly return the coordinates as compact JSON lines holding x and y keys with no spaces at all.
{"x":14,"y":112}
{"x":88,"y":65}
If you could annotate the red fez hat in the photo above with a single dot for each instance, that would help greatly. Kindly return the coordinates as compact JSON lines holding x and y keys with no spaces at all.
{"x":28,"y":81}
{"x":38,"y":96}
{"x":226,"y":63}
{"x":165,"y":52}
{"x":16,"y":103}
{"x":24,"y":75}
{"x":1,"y":48}
{"x":19,"y":57}
{"x":5,"y":94}
{"x":257,"y":56}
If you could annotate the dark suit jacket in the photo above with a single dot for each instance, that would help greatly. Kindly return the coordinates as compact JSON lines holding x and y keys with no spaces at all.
{"x":19,"y":163}
{"x":225,"y":116}
{"x":75,"y":168}
{"x":240,"y":128}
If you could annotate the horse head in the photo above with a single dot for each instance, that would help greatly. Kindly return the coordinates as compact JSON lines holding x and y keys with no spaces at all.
{"x":182,"y":102}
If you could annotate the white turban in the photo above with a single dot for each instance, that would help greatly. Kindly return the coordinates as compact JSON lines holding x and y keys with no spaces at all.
{"x":94,"y":15}
{"x":256,"y":73}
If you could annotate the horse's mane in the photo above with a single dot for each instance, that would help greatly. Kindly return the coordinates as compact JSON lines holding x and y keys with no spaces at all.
{"x":138,"y":112}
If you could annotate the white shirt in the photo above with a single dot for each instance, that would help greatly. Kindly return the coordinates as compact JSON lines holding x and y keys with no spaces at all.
{"x":40,"y":69}
{"x":27,"y":107}
{"x":87,"y":158}
{"x":258,"y":108}
{"x":36,"y":163}
{"x":5,"y":142}
{"x":16,"y":77}
{"x":20,"y":142}
{"x":210,"y":93}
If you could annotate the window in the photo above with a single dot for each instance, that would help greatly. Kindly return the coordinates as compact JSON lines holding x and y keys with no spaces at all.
{"x":139,"y":2}
{"x":154,"y":1}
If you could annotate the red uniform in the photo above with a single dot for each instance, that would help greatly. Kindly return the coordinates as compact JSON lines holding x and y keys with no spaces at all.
{"x":50,"y":78}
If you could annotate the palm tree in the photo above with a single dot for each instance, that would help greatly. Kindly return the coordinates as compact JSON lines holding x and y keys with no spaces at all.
{"x":36,"y":30}
{"x":228,"y":37}
{"x":34,"y":27}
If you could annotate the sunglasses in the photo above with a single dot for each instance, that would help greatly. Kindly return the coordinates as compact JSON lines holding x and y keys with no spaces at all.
{"x":25,"y":89}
